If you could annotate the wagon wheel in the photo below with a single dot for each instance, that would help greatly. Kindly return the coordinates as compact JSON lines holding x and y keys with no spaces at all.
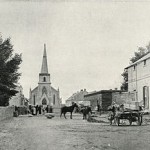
{"x":118,"y":121}
{"x":130,"y":121}
{"x":139,"y":121}
{"x":110,"y":121}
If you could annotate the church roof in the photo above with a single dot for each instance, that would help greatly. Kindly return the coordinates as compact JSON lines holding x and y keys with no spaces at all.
{"x":44,"y":68}
{"x":36,"y":88}
{"x":54,"y":89}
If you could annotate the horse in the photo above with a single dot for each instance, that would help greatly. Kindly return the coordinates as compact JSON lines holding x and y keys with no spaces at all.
{"x":66,"y":109}
{"x":86,"y":110}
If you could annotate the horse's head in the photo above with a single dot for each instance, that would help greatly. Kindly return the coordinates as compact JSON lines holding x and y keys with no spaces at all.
{"x":75,"y":105}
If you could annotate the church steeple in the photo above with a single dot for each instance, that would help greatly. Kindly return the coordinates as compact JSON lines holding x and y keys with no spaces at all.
{"x":44,"y":68}
{"x":44,"y":76}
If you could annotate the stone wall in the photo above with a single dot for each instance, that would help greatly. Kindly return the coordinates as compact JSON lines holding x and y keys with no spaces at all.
{"x":126,"y":98}
{"x":6,"y":112}
{"x":123,"y":97}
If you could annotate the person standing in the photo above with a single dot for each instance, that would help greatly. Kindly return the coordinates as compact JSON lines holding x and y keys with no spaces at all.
{"x":43,"y":110}
{"x":34,"y":110}
{"x":40,"y":109}
{"x":37,"y":109}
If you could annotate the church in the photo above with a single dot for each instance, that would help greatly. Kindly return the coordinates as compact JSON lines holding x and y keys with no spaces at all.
{"x":44,"y":94}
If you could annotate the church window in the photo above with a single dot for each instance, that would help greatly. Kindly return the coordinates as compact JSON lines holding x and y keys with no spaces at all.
{"x":34,"y":99}
{"x":44,"y":90}
{"x":144,"y":62}
{"x":54,"y":99}
{"x":44,"y":79}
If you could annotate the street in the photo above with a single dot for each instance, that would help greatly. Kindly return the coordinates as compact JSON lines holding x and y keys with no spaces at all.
{"x":40,"y":133}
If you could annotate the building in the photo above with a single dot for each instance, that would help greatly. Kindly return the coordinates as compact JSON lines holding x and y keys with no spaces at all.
{"x":104,"y":98}
{"x":77,"y":97}
{"x":139,"y":80}
{"x":44,"y":94}
{"x":18,"y":99}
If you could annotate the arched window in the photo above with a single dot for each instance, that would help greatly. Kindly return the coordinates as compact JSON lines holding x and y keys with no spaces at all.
{"x":44,"y":102}
{"x":53,"y":99}
{"x":44,"y":79}
{"x":34,"y":100}
{"x":44,"y":90}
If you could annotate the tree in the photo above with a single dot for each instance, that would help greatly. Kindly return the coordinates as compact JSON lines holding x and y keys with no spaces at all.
{"x":141,"y":52}
{"x":9,"y":65}
{"x":124,"y":85}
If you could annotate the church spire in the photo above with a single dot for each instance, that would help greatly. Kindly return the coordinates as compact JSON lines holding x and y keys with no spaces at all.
{"x":44,"y":68}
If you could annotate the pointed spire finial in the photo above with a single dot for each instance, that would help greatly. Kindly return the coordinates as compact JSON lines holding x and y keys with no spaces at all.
{"x":44,"y":68}
{"x":44,"y":55}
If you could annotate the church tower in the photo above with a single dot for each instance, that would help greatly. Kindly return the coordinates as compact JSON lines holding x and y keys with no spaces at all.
{"x":44,"y":88}
{"x":44,"y":94}
{"x":44,"y":76}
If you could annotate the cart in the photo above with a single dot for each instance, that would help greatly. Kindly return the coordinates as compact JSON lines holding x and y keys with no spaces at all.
{"x":131,"y":116}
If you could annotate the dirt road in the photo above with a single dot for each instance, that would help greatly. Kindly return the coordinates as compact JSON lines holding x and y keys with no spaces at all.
{"x":40,"y":133}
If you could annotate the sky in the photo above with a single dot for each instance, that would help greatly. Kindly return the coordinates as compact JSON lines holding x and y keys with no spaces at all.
{"x":88,"y":43}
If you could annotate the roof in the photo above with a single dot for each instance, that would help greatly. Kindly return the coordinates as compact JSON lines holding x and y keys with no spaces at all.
{"x":54,"y":89}
{"x":147,"y":56}
{"x":101,"y":92}
{"x":35,"y":89}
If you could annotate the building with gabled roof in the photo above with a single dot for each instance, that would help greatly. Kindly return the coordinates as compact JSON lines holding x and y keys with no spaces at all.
{"x":44,"y":94}
{"x":139,"y":80}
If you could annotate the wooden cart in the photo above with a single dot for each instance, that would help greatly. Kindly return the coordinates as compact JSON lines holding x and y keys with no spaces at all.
{"x":131,"y":116}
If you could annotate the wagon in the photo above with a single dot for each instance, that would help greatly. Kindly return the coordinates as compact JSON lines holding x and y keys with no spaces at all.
{"x":131,"y":116}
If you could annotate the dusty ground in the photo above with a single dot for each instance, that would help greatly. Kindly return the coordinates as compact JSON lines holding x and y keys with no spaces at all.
{"x":40,"y":133}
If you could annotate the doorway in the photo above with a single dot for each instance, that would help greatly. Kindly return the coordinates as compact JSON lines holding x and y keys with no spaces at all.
{"x":146,"y":97}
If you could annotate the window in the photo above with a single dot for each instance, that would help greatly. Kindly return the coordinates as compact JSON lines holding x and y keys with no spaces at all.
{"x":146,"y":97}
{"x":54,"y":99}
{"x":44,"y":90}
{"x":44,"y":79}
{"x":34,"y":100}
{"x":144,"y":62}
{"x":134,"y":68}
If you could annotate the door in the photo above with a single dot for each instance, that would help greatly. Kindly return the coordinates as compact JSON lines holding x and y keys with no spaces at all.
{"x":146,"y":97}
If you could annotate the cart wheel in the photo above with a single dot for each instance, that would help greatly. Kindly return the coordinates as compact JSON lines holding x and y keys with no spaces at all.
{"x":118,"y":121}
{"x":130,"y":122}
{"x":139,"y":120}
{"x":110,"y":121}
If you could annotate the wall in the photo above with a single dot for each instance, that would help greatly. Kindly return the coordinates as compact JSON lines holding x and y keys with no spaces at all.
{"x":6,"y":112}
{"x":139,"y":78}
{"x":94,"y":98}
{"x":123,"y":97}
{"x":106,"y":100}
{"x":126,"y":98}
{"x":132,"y":78}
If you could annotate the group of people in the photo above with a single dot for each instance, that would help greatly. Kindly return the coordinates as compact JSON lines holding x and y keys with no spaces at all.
{"x":39,"y":109}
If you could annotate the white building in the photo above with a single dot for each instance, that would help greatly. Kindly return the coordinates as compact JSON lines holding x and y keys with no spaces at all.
{"x":77,"y":97}
{"x":139,"y":80}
